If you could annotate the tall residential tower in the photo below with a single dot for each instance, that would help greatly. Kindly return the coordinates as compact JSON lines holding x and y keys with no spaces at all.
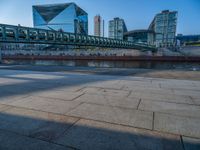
{"x":97,"y":25}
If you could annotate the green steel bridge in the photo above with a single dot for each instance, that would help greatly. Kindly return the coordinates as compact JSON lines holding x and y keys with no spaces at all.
{"x":19,"y":34}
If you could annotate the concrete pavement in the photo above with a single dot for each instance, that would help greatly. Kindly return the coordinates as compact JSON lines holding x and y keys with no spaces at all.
{"x":70,"y":110}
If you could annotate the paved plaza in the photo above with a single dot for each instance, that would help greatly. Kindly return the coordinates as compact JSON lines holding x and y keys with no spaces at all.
{"x":73,"y":110}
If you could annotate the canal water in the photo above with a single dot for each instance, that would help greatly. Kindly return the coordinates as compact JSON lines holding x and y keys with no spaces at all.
{"x":113,"y":64}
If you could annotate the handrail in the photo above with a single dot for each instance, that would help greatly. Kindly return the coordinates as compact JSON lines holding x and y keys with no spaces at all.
{"x":11,"y":34}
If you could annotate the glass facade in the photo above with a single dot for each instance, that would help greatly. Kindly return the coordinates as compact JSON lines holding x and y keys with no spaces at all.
{"x":64,"y":17}
{"x":187,"y":38}
{"x":117,"y":28}
{"x":140,"y":36}
{"x":164,"y":26}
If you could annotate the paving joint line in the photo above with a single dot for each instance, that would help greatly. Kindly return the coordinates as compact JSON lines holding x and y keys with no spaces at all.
{"x":160,"y":86}
{"x":78,"y":96}
{"x":32,"y":109}
{"x":78,"y":119}
{"x":129,"y":126}
{"x":166,"y":101}
{"x":112,"y":106}
{"x":182,"y":143}
{"x":129,"y":93}
{"x":153,"y":120}
{"x":66,"y":113}
{"x":73,"y":108}
{"x":107,"y":88}
{"x":80,"y":89}
{"x":139,"y":103}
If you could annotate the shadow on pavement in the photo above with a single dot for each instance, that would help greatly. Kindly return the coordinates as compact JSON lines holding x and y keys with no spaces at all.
{"x":31,"y":130}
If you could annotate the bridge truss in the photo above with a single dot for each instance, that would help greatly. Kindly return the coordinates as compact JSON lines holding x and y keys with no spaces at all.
{"x":19,"y":34}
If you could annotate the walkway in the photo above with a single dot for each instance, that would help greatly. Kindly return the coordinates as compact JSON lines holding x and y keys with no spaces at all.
{"x":71,"y":110}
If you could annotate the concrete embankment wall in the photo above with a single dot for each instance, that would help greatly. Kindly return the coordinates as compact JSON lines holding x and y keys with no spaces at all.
{"x":76,"y":52}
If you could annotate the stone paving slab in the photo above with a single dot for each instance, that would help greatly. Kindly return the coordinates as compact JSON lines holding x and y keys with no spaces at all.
{"x":4,"y":107}
{"x":119,"y":101}
{"x":93,"y":135}
{"x":61,"y":95}
{"x":113,"y":84}
{"x":162,"y":97}
{"x":13,"y":141}
{"x":191,"y":143}
{"x":105,"y":91}
{"x":170,"y":108}
{"x":124,"y":116}
{"x":177,"y":124}
{"x":9,"y":97}
{"x":175,"y":83}
{"x":196,"y":101}
{"x":41,"y":125}
{"x":166,"y":105}
{"x":179,"y":87}
{"x":192,"y":93}
{"x":66,"y":88}
{"x":6,"y":80}
{"x":151,"y":90}
{"x":129,"y":85}
{"x":46,"y":104}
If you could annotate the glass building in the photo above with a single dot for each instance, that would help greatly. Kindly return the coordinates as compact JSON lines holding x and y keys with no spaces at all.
{"x":67,"y":17}
{"x":164,"y":25}
{"x":183,"y":39}
{"x":117,"y":28}
{"x":140,"y":36}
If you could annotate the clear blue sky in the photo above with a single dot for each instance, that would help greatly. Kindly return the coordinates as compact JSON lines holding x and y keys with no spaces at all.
{"x":137,"y":13}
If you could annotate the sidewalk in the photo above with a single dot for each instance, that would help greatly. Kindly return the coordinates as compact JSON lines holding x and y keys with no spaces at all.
{"x":73,"y":110}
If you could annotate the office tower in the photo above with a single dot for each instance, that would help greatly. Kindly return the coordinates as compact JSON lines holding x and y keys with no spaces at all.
{"x":164,"y":25}
{"x":117,"y":28}
{"x":67,"y":17}
{"x":97,"y":25}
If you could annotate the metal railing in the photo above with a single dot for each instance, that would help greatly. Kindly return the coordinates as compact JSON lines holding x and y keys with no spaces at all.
{"x":19,"y":34}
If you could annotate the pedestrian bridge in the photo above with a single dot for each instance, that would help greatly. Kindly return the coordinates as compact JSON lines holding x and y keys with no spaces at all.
{"x":19,"y":34}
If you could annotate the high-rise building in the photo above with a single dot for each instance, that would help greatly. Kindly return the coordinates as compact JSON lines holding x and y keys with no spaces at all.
{"x":164,"y":25}
{"x":117,"y":28}
{"x":67,"y":17}
{"x":97,"y":25}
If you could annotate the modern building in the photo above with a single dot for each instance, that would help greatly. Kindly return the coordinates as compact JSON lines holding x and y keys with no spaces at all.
{"x":117,"y":28}
{"x":67,"y":17}
{"x":140,"y":36}
{"x":97,"y":25}
{"x":164,"y":25}
{"x":184,"y":39}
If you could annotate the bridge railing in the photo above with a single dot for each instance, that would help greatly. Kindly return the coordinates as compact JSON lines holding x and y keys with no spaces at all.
{"x":19,"y":34}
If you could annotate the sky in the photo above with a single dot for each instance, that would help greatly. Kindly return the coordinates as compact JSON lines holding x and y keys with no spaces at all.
{"x":137,"y":14}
